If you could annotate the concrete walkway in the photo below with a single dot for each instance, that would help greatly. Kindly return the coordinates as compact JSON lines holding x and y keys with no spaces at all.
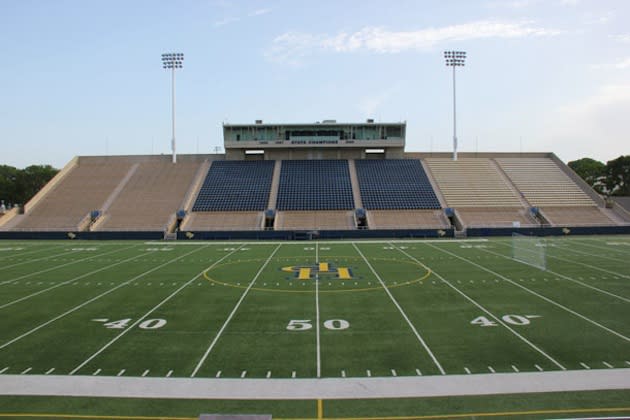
{"x":328,"y":388}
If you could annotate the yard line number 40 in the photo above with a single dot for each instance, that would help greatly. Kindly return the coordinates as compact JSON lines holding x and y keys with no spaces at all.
{"x":147,"y":324}
{"x":519,"y":320}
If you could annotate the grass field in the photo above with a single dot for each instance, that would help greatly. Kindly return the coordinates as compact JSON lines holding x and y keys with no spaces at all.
{"x":313,"y":310}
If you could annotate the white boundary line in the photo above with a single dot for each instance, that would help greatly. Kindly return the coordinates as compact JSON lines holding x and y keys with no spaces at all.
{"x":413,"y":328}
{"x":38,"y":259}
{"x":22,"y":254}
{"x":319,"y":354}
{"x":75,"y":278}
{"x":76,"y":308}
{"x":329,"y":242}
{"x":566,"y":278}
{"x":478,"y":305}
{"x":553,"y":302}
{"x":143,"y":317}
{"x":564,"y":247}
{"x":229,"y":318}
{"x":588,"y":265}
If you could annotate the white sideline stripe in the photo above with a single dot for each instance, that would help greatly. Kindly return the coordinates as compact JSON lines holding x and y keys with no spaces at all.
{"x":486,"y":311}
{"x":49,"y":371}
{"x":332,"y":242}
{"x":569,"y":278}
{"x":169,"y":373}
{"x":515,"y":369}
{"x":70,"y":281}
{"x":553,"y":302}
{"x":319,"y":353}
{"x":608,"y":365}
{"x":122,"y":371}
{"x":605,"y":257}
{"x":229,"y":318}
{"x":25,"y":371}
{"x":143,"y":317}
{"x":467,"y":370}
{"x":76,"y":308}
{"x":145,"y":373}
{"x":96,"y":372}
{"x":404,"y":315}
{"x":538,"y":367}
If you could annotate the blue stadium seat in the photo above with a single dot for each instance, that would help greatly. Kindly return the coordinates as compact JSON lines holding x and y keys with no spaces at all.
{"x":395,"y":184}
{"x":315,"y":185}
{"x":236,"y":186}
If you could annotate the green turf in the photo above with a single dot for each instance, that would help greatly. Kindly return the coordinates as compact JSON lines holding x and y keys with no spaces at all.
{"x":239,"y":309}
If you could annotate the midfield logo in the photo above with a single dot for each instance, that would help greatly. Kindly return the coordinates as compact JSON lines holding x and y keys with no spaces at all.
{"x":323,"y":268}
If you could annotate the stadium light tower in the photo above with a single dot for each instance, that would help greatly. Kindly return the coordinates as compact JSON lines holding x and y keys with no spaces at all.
{"x":173,"y":61}
{"x":454,"y":59}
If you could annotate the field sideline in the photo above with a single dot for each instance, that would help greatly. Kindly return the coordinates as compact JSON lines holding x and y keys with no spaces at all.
{"x":309,"y":310}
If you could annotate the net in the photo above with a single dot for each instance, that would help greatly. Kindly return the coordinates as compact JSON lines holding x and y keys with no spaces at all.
{"x":530,"y":250}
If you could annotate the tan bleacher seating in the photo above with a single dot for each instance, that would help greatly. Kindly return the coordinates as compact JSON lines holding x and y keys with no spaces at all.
{"x":151,"y":197}
{"x":407,"y":219}
{"x":315,"y":220}
{"x":543,"y":183}
{"x":223,"y":220}
{"x":472,"y":182}
{"x":495,"y":217}
{"x":576,"y":216}
{"x":84,"y":189}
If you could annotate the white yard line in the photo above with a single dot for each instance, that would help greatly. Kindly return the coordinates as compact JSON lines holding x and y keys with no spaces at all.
{"x":546,"y":299}
{"x":22,"y":254}
{"x":38,"y":259}
{"x":71,"y":280}
{"x":76,"y":308}
{"x":590,"y":266}
{"x":146,"y":315}
{"x":567,"y":278}
{"x":323,"y":388}
{"x":604,"y":257}
{"x":319,"y":354}
{"x":229,"y":318}
{"x":404,"y":315}
{"x":486,"y":311}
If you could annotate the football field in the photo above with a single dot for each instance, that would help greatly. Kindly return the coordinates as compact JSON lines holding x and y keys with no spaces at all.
{"x":308,"y":309}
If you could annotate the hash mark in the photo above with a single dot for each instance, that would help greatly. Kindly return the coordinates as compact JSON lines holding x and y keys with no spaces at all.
{"x":169,"y":373}
{"x":218,"y":374}
{"x":418,"y":372}
{"x":3,"y":370}
{"x":243,"y":374}
{"x":293,"y":374}
{"x":491,"y":369}
{"x":394,"y":372}
{"x":515,"y":369}
{"x":343,"y":373}
{"x":369,"y":373}
{"x":467,"y":370}
{"x":608,"y":365}
{"x":145,"y":373}
{"x":627,"y":363}
{"x":96,"y":372}
{"x":268,"y":374}
{"x":121,"y":372}
{"x":538,"y":367}
{"x":25,"y":371}
{"x":49,"y":371}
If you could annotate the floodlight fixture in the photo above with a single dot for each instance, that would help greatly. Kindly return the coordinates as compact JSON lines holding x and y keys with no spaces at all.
{"x":173,"y":61}
{"x":455,"y":59}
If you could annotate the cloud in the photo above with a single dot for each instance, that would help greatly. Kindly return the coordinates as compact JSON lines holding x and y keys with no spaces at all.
{"x":259,"y":12}
{"x":226,"y":21}
{"x":620,"y":65}
{"x":368,"y":105}
{"x":291,"y":46}
{"x":625,"y":38}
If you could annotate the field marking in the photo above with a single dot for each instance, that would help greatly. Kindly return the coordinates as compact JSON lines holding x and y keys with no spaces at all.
{"x":229,"y":318}
{"x":413,"y":328}
{"x":584,"y":365}
{"x":4,"y":370}
{"x":566,"y":278}
{"x":591,"y":266}
{"x":169,"y":373}
{"x":143,"y":317}
{"x":38,"y":259}
{"x":319,"y":353}
{"x":320,"y":409}
{"x":96,"y":372}
{"x":121,"y":373}
{"x":49,"y":371}
{"x":487,"y":312}
{"x":69,"y":281}
{"x":20,"y":255}
{"x":605,"y":257}
{"x":546,"y":299}
{"x":76,"y":308}
{"x":60,"y":266}
{"x":608,"y":365}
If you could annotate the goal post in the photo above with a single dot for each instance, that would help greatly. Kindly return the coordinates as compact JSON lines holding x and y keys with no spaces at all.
{"x":530,"y":250}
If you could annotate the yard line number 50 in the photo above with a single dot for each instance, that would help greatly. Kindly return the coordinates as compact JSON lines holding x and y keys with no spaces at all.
{"x":306,"y":324}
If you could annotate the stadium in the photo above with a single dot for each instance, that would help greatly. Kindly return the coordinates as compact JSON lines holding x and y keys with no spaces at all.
{"x":315,"y":271}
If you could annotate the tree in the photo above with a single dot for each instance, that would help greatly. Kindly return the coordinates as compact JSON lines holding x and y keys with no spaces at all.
{"x":618,"y":175}
{"x":8,"y":177}
{"x":591,"y":171}
{"x":31,"y":179}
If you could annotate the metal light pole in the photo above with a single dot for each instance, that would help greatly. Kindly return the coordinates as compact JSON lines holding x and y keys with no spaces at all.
{"x":454,"y":59}
{"x":173,"y":61}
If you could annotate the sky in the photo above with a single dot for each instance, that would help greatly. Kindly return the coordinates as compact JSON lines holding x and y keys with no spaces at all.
{"x":84,"y":77}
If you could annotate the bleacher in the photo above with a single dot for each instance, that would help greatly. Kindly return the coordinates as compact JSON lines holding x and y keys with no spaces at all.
{"x":315,"y":185}
{"x":235,"y":186}
{"x":407,"y":219}
{"x":396,"y":184}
